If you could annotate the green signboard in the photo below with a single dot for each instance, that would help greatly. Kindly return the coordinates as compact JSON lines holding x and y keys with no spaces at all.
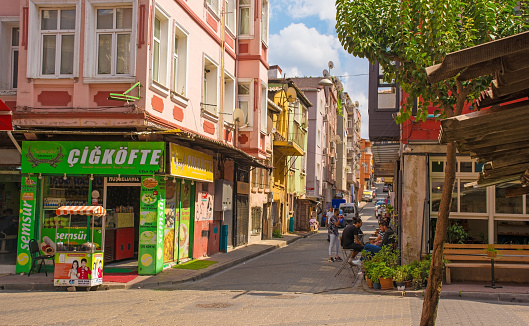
{"x":26,"y":227}
{"x":152,"y":225}
{"x":75,"y":235}
{"x":136,"y":158}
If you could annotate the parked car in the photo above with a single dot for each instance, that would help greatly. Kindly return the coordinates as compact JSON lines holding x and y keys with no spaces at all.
{"x":367,"y":195}
{"x":350,"y":211}
{"x":385,"y":189}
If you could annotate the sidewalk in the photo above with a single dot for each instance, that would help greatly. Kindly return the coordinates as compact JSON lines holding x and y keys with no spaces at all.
{"x":39,"y":282}
{"x":513,"y":293}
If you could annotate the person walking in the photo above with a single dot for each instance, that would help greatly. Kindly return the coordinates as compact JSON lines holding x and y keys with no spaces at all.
{"x":332,"y":226}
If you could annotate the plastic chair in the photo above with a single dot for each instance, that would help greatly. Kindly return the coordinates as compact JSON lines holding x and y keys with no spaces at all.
{"x":34,"y":251}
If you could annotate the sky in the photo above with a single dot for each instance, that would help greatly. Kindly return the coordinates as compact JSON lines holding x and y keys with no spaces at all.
{"x":302,"y":42}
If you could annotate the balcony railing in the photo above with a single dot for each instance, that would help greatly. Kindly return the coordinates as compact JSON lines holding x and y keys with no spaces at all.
{"x":350,"y":177}
{"x":297,"y":135}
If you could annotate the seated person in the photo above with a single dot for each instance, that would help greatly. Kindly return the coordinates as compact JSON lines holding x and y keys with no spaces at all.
{"x":352,"y":236}
{"x":387,"y":239}
{"x":8,"y":223}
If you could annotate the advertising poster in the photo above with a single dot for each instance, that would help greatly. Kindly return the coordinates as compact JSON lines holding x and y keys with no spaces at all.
{"x":177,"y":219}
{"x":78,"y":269}
{"x":152,"y":225}
{"x":185,"y":216}
{"x":26,"y":229}
{"x":169,"y":234}
{"x":76,"y":236}
{"x":204,"y":208}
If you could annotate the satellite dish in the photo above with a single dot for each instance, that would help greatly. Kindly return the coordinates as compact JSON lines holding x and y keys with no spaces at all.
{"x":348,"y":169}
{"x":331,"y":64}
{"x":339,"y":86}
{"x":357,"y":104}
{"x":349,"y":102}
{"x":274,"y":130}
{"x":325,"y":73}
{"x":269,"y":125}
{"x":238,"y":117}
{"x":337,"y":139}
{"x":291,"y":94}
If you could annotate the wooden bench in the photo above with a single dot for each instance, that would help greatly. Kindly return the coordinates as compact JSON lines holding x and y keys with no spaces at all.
{"x":473,"y":255}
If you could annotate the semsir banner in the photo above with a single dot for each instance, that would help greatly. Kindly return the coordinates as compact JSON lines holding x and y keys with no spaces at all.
{"x":138,"y":158}
{"x":190,"y":164}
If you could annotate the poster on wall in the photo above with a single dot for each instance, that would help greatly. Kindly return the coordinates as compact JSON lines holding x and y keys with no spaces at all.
{"x":152,"y":225}
{"x":204,"y":208}
{"x":26,"y":230}
{"x":169,"y":233}
{"x":184,"y":232}
{"x":78,"y":269}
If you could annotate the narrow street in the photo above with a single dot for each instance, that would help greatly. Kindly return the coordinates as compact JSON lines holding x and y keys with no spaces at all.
{"x":292,"y":285}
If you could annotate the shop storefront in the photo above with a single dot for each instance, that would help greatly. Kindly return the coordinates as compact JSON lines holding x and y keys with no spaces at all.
{"x":147,"y":189}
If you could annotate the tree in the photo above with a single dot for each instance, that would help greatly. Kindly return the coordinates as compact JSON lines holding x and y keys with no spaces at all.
{"x":407,"y":36}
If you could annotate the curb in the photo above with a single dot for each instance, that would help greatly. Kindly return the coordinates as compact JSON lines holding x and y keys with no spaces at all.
{"x":460,"y":295}
{"x":154,"y":285}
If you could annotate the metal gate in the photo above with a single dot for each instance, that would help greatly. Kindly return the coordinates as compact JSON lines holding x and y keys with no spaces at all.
{"x":243,"y":217}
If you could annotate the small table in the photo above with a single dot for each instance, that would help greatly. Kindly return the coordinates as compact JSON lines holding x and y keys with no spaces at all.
{"x":493,"y":282}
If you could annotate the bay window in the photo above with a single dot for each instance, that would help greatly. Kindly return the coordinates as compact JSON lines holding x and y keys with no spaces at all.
{"x":57,"y":36}
{"x":209,"y":87}
{"x":244,"y":100}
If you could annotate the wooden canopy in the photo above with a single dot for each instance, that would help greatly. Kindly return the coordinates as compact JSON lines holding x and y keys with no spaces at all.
{"x":499,"y":134}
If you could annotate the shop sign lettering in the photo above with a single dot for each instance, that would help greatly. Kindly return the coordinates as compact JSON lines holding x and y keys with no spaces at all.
{"x":94,"y":158}
{"x":26,"y":231}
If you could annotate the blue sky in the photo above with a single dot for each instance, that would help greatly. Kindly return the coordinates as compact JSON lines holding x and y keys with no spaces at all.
{"x":303,"y":40}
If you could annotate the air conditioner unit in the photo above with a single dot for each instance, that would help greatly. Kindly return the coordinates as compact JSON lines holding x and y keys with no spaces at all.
{"x":332,"y":144}
{"x":333,"y":160}
{"x":325,"y":118}
{"x":325,"y":151}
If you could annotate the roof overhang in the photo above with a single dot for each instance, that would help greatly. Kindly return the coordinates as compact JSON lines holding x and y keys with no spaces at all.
{"x":498,"y":135}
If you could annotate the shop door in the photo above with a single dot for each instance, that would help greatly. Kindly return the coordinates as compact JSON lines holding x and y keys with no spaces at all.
{"x":185,"y":220}
{"x":243,"y":216}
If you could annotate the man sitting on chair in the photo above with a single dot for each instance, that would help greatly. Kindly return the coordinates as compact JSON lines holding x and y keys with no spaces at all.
{"x":352,"y":238}
{"x":388,"y":239}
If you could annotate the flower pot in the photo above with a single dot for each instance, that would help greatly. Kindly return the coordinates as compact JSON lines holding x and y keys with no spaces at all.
{"x":369,"y":283}
{"x":401,"y":286}
{"x":492,"y":254}
{"x":376,"y":286}
{"x":407,"y":284}
{"x":386,"y":283}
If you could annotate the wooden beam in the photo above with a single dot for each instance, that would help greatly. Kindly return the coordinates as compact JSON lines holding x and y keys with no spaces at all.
{"x":516,"y":191}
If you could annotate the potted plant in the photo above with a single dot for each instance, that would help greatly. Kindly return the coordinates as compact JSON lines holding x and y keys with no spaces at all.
{"x":385,"y":275}
{"x":491,"y":252}
{"x":400,"y":276}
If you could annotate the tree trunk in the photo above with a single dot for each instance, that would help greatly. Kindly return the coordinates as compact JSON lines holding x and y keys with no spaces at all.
{"x":435,"y":280}
{"x":433,"y":290}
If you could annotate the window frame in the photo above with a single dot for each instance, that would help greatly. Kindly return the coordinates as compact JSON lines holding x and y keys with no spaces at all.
{"x":246,"y":98}
{"x":250,"y":8}
{"x":182,"y":35}
{"x":13,"y":71}
{"x":231,"y":16}
{"x":207,"y":108}
{"x":34,"y":44}
{"x":265,"y":24}
{"x":212,"y":7}
{"x":90,"y":53}
{"x":229,"y":97}
{"x":163,"y":83}
{"x":263,"y":113}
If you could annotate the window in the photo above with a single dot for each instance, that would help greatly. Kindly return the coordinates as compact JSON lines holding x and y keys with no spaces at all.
{"x":264,"y":21}
{"x":160,"y":48}
{"x":472,"y":200}
{"x":255,"y":178}
{"x":209,"y":87}
{"x":318,"y":172}
{"x":14,"y":57}
{"x":214,"y":5}
{"x":245,"y":17}
{"x":180,"y":62}
{"x":57,"y":36}
{"x":264,"y":107}
{"x":504,"y":205}
{"x":229,"y":97}
{"x":113,"y":37}
{"x":244,"y":96}
{"x":230,"y":14}
{"x":257,"y":213}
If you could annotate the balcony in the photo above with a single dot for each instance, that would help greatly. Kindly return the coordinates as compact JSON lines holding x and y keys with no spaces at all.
{"x":294,"y":145}
{"x":350,"y":177}
{"x":350,"y":132}
{"x":350,"y":153}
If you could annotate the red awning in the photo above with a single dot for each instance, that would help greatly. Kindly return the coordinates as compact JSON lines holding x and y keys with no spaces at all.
{"x":5,"y":117}
{"x":81,"y":210}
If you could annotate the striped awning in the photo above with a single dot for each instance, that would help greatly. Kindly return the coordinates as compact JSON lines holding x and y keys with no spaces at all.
{"x":81,"y":210}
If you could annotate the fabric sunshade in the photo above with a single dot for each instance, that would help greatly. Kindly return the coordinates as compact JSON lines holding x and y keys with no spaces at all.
{"x":81,"y":210}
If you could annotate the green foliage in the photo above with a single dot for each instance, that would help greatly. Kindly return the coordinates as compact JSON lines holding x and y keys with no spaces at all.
{"x":381,"y":270}
{"x":417,"y":34}
{"x":276,"y":234}
{"x":457,"y":233}
{"x":401,"y":274}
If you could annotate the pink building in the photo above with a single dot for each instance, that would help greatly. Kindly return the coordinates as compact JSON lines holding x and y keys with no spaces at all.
{"x":176,"y":70}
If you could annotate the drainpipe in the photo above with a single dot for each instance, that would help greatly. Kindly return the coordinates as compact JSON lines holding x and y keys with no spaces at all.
{"x":222,"y":51}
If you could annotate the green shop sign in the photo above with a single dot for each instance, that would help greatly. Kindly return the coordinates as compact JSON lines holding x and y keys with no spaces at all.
{"x":135,"y":158}
{"x":26,"y":228}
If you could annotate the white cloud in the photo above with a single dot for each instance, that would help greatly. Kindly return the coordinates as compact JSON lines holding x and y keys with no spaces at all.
{"x":324,"y":9}
{"x":304,"y":51}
